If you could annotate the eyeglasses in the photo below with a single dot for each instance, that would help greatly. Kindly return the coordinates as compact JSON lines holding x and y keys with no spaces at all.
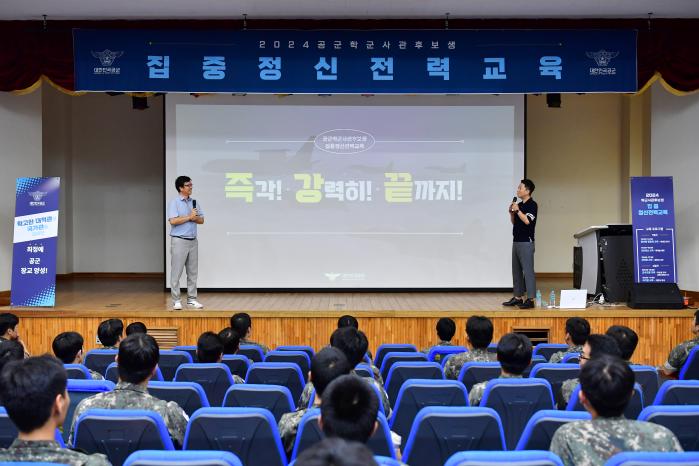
{"x":188,"y":185}
{"x":582,"y":356}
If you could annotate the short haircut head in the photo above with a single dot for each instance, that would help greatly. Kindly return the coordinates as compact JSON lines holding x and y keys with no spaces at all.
{"x":349,"y":409}
{"x":347,"y":321}
{"x":180,"y":181}
{"x":327,"y":365}
{"x":446,"y":328}
{"x":626,"y":338}
{"x":10,"y":351}
{"x":109,"y":331}
{"x":241,"y":323}
{"x":514,"y":353}
{"x":336,"y":452}
{"x":67,"y":345}
{"x":136,"y":327}
{"x":138,"y":355}
{"x":230,"y":339}
{"x":352,"y":342}
{"x":209,"y":347}
{"x":529,"y":184}
{"x":480,"y":331}
{"x":28,"y":390}
{"x":8,"y":321}
{"x":602,"y":345}
{"x":578,"y":329}
{"x":607,"y":383}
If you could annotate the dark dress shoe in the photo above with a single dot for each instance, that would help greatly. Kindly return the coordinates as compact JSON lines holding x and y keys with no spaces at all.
{"x":528,"y":304}
{"x":513,"y":302}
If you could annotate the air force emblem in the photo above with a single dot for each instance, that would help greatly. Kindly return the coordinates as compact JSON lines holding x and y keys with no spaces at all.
{"x":106,"y":56}
{"x":602,"y":57}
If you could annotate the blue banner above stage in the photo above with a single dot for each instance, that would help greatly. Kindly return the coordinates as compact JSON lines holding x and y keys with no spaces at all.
{"x":653,"y":217}
{"x":356,"y":61}
{"x":35,"y":242}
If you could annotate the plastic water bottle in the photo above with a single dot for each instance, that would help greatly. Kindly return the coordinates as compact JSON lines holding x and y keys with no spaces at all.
{"x":552,"y":299}
{"x":538,"y":298}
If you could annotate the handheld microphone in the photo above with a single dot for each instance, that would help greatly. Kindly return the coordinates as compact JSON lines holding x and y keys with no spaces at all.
{"x":194,"y":203}
{"x":514,"y":199}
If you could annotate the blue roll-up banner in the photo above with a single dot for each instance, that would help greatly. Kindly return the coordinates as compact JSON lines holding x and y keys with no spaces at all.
{"x":654,"y":234}
{"x":35,"y":240}
{"x":355,"y":61}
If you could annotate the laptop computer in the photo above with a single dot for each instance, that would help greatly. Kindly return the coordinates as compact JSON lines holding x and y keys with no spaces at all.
{"x":573,"y":299}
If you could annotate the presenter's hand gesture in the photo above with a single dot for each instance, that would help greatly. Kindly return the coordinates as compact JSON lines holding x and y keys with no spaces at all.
{"x":194,"y":214}
{"x":515,"y":207}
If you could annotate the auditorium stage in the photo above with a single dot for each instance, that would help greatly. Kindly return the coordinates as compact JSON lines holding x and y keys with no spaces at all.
{"x":309,"y":317}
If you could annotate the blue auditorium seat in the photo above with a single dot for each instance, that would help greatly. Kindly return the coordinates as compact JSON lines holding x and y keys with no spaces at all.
{"x":305,"y":348}
{"x":312,"y":398}
{"x":77,"y":371}
{"x":237,"y":363}
{"x":556,"y":373}
{"x":250,"y":433}
{"x":438,"y":432}
{"x":543,"y":424}
{"x":252,"y":352}
{"x":633,"y":409}
{"x":477,"y":372}
{"x":387,"y":461}
{"x":78,"y":391}
{"x":548,"y":349}
{"x":492,"y":348}
{"x":637,"y":458}
{"x":190,"y":396}
{"x":501,"y":458}
{"x":683,"y":421}
{"x":437,"y":353}
{"x":690,"y":368}
{"x":299,"y":358}
{"x":536,"y":360}
{"x":402,"y":371}
{"x":112,"y":373}
{"x":391,"y":358}
{"x":182,"y":458}
{"x":214,"y":378}
{"x":98,"y":359}
{"x":119,"y":432}
{"x":678,"y":392}
{"x":647,"y":378}
{"x":170,"y":360}
{"x":391,"y":347}
{"x":189,"y":349}
{"x":9,"y":432}
{"x":275,"y":398}
{"x":364,"y":370}
{"x":277,"y":373}
{"x":571,"y":358}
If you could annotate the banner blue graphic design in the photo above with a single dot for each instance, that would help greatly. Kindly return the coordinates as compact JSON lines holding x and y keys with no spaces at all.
{"x":356,"y":62}
{"x":654,"y":236}
{"x":35,"y":241}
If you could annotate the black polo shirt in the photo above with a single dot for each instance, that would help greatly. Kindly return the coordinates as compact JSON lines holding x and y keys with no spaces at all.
{"x":521,"y":232}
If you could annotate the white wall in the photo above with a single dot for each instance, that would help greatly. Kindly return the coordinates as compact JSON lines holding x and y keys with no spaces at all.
{"x":20,"y":155}
{"x":675,"y":152}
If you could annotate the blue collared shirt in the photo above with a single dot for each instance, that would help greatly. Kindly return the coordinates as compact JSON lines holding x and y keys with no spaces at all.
{"x":182,"y":207}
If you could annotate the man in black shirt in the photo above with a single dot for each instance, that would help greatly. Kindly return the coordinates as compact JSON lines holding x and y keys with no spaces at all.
{"x":523,"y":217}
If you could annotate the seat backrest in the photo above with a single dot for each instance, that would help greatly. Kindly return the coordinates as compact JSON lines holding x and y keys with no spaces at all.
{"x":306,"y":349}
{"x":690,"y":368}
{"x":391,"y":348}
{"x":214,"y":378}
{"x":647,"y":378}
{"x":571,"y":358}
{"x":548,"y":349}
{"x":492,"y":348}
{"x":364,"y":370}
{"x":118,"y":433}
{"x":77,"y":371}
{"x":170,"y":360}
{"x":189,"y":349}
{"x":190,"y":396}
{"x":252,"y":352}
{"x":386,"y":461}
{"x":98,"y":359}
{"x":500,"y":458}
{"x":237,"y":363}
{"x":556,"y":373}
{"x":678,"y":392}
{"x":299,"y":358}
{"x":249,"y":433}
{"x":536,"y":360}
{"x":683,"y":421}
{"x":309,"y":433}
{"x":182,"y":458}
{"x":8,"y":430}
{"x":638,"y":458}
{"x":312,"y":398}
{"x":438,"y":432}
{"x":516,"y":401}
{"x":277,"y":373}
{"x":633,"y":409}
{"x":402,"y":371}
{"x":391,"y":358}
{"x":437,"y":353}
{"x":477,"y":372}
{"x":78,"y":391}
{"x":275,"y":398}
{"x":416,"y":394}
{"x":112,"y":373}
{"x":543,"y":424}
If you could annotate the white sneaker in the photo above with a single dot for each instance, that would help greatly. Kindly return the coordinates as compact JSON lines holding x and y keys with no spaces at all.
{"x":177,"y":305}
{"x":195,"y":304}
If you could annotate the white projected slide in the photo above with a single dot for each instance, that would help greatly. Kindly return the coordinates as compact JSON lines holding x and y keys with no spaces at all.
{"x":349,"y":191}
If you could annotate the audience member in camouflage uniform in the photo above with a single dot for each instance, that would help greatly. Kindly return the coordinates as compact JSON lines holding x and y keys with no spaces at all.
{"x":446,"y":328}
{"x":595,"y":347}
{"x":626,"y":339}
{"x":242,"y":323}
{"x":326,"y":366}
{"x":353,"y":343}
{"x":138,"y":359}
{"x":607,"y":384}
{"x":514,"y":355}
{"x":110,"y":332}
{"x":577,"y":331}
{"x":679,"y":353}
{"x":10,"y":350}
{"x":34,"y":394}
{"x":136,"y":327}
{"x":479,"y":334}
{"x":68,"y":347}
{"x":210,"y":350}
{"x":9,"y":330}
